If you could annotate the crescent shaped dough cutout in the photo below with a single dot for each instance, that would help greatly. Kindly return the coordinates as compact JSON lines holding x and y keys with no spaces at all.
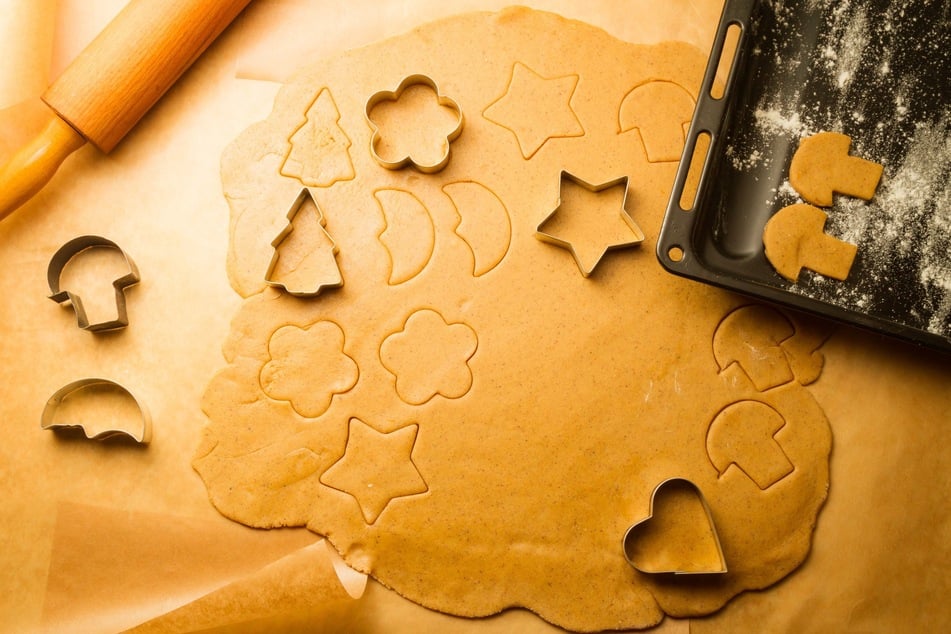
{"x":408,"y":235}
{"x":484,"y":223}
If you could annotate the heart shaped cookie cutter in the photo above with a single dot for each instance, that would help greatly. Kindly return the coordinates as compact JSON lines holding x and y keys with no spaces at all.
{"x":59,"y":261}
{"x":678,"y":512}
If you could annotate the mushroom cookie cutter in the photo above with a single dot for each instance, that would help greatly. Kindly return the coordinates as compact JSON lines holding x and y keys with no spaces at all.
{"x":411,"y":157}
{"x":59,"y":261}
{"x":138,"y":426}
{"x":678,"y":537}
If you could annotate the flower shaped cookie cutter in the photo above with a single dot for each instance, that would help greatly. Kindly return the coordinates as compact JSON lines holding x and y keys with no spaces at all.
{"x":417,"y":157}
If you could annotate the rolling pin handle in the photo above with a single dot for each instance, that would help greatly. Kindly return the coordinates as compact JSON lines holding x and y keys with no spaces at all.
{"x":34,"y":164}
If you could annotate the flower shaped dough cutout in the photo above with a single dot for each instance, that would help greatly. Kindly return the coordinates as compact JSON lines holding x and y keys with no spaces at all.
{"x":429,"y":357}
{"x":413,"y":125}
{"x":308,"y":367}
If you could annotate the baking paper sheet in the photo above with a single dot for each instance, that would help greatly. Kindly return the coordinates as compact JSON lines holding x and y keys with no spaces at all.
{"x":78,"y":516}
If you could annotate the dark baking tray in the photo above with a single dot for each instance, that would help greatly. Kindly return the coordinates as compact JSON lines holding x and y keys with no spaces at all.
{"x":877,"y":70}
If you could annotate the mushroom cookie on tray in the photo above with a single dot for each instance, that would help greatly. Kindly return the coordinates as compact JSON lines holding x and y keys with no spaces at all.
{"x":458,"y":358}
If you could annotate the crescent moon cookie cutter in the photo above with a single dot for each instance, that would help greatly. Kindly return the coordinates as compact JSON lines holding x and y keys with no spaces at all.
{"x":115,"y":401}
{"x":58,"y":263}
{"x":427,"y":160}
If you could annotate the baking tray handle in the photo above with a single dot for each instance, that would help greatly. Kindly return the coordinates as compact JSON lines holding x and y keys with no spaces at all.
{"x":729,"y":49}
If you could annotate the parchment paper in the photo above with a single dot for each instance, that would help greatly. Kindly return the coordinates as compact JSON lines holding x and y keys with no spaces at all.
{"x":881,"y":556}
{"x":26,"y":46}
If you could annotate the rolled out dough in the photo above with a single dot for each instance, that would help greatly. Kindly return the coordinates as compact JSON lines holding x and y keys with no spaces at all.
{"x":472,"y":418}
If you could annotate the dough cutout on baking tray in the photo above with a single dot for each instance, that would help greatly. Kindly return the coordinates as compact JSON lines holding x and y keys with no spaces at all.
{"x":794,"y":238}
{"x":822,"y":166}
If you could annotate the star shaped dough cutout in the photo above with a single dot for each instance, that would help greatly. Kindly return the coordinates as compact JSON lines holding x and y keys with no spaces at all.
{"x":376,"y":468}
{"x":590,"y":220}
{"x":536,"y":109}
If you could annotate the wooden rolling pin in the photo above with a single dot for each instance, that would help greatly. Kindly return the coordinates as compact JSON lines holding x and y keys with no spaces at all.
{"x":113,"y":83}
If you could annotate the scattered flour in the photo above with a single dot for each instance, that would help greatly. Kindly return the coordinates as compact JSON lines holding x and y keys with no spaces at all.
{"x":877,"y":71}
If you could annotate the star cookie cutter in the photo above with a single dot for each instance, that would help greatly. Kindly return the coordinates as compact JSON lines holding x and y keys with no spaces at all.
{"x":427,"y":167}
{"x":139,"y":430}
{"x":588,"y":268}
{"x":702,"y":555}
{"x":59,"y":261}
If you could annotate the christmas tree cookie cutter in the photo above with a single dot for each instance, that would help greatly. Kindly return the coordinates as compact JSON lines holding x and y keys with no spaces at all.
{"x":65,"y":297}
{"x":136,"y":424}
{"x":428,"y":160}
{"x":308,"y":273}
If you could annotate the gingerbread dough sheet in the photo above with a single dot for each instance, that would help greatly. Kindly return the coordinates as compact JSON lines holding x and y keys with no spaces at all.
{"x":485,"y":404}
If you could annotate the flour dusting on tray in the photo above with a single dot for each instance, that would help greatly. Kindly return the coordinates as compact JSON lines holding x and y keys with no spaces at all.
{"x":876,"y":70}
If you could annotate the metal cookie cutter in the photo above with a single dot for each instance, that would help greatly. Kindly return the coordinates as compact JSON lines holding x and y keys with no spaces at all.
{"x":678,"y":537}
{"x":407,"y":158}
{"x":311,"y":274}
{"x":137,"y":424}
{"x":66,"y":253}
{"x":575,"y":245}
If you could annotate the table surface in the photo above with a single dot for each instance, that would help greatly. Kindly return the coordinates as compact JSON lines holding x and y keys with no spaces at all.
{"x":111,"y":536}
